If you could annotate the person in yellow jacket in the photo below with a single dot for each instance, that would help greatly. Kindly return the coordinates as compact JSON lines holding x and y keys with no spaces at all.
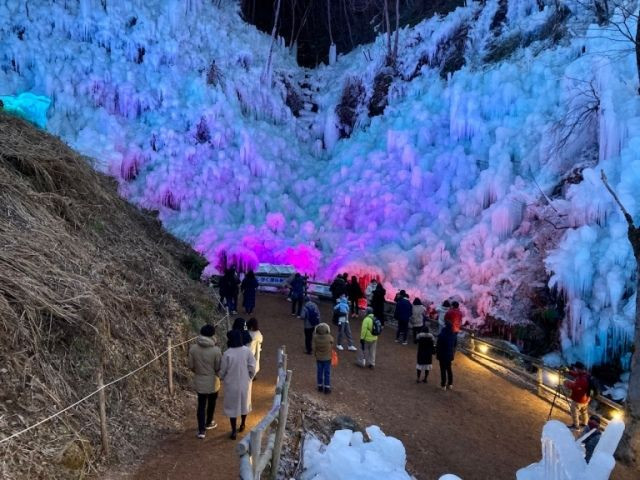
{"x":368,"y":341}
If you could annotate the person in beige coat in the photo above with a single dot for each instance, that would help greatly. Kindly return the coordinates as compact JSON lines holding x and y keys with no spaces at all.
{"x":236,"y":371}
{"x":204,"y":360}
{"x":322,"y":344}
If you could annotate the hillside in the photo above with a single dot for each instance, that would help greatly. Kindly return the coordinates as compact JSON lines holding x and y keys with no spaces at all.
{"x":84,"y":277}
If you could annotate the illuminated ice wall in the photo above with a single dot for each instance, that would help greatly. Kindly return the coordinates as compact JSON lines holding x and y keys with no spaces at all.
{"x":446,"y":193}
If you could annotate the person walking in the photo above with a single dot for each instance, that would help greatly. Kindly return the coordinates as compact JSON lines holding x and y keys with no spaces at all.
{"x":248,"y":287}
{"x":322,"y":348}
{"x":256,"y":341}
{"x":442,"y":311}
{"x":338,"y":288}
{"x":354,"y":291}
{"x":236,"y":371}
{"x":418,"y":318}
{"x":297,"y":295}
{"x":580,"y":399}
{"x":445,"y":348}
{"x":426,"y":349}
{"x":341,"y":310}
{"x":204,"y":361}
{"x":402,"y":314}
{"x":229,"y":289}
{"x":454,"y":317}
{"x":311,"y":317}
{"x":378,"y":302}
{"x":368,"y":340}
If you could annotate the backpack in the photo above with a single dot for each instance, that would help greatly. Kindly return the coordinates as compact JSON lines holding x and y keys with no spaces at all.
{"x":312,"y":316}
{"x":593,"y":390}
{"x":376,"y":327}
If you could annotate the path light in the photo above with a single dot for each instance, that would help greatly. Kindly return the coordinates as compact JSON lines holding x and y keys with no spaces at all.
{"x":617,"y":415}
{"x":552,"y":378}
{"x":483,"y":348}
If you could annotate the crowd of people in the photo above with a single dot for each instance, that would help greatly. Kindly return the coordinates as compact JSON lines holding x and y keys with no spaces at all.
{"x":238,"y":366}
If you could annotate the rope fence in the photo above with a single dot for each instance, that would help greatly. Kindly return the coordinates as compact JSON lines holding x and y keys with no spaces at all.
{"x":101,"y":387}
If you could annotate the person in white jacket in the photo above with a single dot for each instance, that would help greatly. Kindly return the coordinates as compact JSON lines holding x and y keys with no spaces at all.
{"x":368,"y":293}
{"x":256,"y":342}
{"x":442,"y":311}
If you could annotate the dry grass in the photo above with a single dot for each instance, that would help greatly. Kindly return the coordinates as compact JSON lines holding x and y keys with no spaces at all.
{"x":85,"y":278}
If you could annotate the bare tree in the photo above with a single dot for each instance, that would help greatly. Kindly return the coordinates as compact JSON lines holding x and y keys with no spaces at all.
{"x":397,"y":32}
{"x":387,"y":24}
{"x":266,"y":74}
{"x":629,"y":449}
{"x":329,"y":20}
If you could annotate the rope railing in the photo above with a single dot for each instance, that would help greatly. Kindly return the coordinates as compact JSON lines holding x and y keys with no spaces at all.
{"x":102,"y":387}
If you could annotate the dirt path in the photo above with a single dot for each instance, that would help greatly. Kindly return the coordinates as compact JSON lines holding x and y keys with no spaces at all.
{"x":485,"y":428}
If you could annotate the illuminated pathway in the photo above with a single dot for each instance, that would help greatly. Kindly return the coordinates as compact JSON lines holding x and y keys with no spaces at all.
{"x":486,"y":428}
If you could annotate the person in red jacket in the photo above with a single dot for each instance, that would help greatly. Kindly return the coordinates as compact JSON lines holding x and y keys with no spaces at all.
{"x":579,"y":395}
{"x":454,"y":317}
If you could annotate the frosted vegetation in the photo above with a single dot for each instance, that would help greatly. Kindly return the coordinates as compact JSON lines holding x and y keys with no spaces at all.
{"x":442,"y":194}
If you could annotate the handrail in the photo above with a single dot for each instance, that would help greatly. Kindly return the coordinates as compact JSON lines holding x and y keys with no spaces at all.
{"x":253,"y":460}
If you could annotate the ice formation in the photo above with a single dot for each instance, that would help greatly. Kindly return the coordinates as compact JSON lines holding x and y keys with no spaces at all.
{"x":440,"y":195}
{"x":349,"y":457}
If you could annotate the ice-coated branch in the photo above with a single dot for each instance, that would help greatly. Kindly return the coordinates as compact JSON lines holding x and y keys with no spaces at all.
{"x":627,"y":217}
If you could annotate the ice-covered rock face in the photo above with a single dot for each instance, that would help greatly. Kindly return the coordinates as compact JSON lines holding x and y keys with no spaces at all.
{"x":440,"y":195}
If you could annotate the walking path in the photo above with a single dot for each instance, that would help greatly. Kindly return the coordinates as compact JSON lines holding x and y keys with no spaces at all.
{"x":485,"y":428}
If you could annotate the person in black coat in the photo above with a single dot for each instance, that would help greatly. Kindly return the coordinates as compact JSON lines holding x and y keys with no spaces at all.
{"x":378,"y":301}
{"x":445,"y":349}
{"x":229,"y":289}
{"x":354,"y":292}
{"x":338,"y":288}
{"x":248,"y":287}
{"x":402,"y":314}
{"x":426,"y":348}
{"x":239,"y":324}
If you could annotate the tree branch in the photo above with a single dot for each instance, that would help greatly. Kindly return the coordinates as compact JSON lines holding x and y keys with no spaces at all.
{"x":627,"y":217}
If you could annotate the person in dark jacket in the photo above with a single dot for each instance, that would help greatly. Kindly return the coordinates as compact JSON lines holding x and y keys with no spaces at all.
{"x":378,"y":302}
{"x":445,"y":348}
{"x":229,"y":289}
{"x":402,"y":314}
{"x":240,"y":325}
{"x":337,"y":288}
{"x":311,"y":317}
{"x":354,"y":292}
{"x":297,"y":295}
{"x":426,"y":348}
{"x":593,"y":431}
{"x":248,"y":287}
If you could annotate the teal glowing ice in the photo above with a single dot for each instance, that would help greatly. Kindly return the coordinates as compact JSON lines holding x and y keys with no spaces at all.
{"x":32,"y":108}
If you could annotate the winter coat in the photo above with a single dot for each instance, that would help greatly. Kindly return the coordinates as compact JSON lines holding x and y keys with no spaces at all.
{"x":204,"y":361}
{"x":378,"y":302}
{"x":454,"y":317}
{"x":445,"y":347}
{"x":342,"y":307}
{"x":297,"y":288}
{"x":403,"y":311}
{"x":338,"y":287}
{"x":229,"y":285}
{"x":366,"y":329}
{"x":322,"y":343}
{"x":256,"y":346}
{"x":308,"y":308}
{"x":354,"y":291}
{"x":236,"y":371}
{"x":426,"y":348}
{"x":442,"y":311}
{"x":368,"y":293}
{"x":418,"y":313}
{"x":579,"y":387}
{"x":248,"y":288}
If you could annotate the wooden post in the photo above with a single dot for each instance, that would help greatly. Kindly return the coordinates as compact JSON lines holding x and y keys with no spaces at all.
{"x":282,"y":423}
{"x":256,"y":450}
{"x":104,"y":434}
{"x":170,"y":365}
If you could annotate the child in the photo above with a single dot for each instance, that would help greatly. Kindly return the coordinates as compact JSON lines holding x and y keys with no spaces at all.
{"x":322,"y":348}
{"x":341,"y":310}
{"x":425,"y":353}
